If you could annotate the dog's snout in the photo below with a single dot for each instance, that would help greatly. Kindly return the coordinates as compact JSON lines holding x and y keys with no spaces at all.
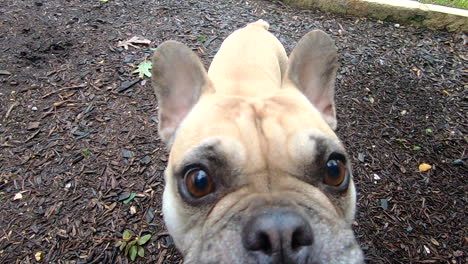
{"x":277,"y":234}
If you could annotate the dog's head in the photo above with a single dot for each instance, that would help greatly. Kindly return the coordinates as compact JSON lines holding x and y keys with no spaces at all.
{"x":256,"y":180}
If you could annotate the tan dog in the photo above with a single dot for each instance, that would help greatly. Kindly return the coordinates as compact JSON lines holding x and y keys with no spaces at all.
{"x":256,"y":173}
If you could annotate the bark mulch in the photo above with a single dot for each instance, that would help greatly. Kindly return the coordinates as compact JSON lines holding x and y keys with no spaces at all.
{"x":78,"y":130}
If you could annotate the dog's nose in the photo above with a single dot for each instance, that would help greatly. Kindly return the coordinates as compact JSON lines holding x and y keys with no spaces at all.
{"x":278,"y":235}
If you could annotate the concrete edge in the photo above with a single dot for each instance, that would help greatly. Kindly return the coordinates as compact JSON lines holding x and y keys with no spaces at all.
{"x":403,"y":11}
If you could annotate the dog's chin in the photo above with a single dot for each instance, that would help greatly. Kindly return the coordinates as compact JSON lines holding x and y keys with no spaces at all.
{"x":225,"y":246}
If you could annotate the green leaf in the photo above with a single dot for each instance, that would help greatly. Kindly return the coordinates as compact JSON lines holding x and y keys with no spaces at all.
{"x":141,"y":252}
{"x":85,"y":151}
{"x":130,"y":198}
{"x":144,"y":69}
{"x":129,"y":246}
{"x":416,"y":148}
{"x":127,"y":235}
{"x":122,"y":246}
{"x":400,"y":140}
{"x":133,"y":252}
{"x":202,"y":38}
{"x":142,"y":240}
{"x":428,"y":130}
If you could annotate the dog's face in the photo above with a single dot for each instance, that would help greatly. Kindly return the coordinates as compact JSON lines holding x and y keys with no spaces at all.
{"x":253,"y":180}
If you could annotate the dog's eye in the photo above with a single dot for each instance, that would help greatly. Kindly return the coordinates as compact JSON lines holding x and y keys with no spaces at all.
{"x":336,"y":172}
{"x":198,"y":182}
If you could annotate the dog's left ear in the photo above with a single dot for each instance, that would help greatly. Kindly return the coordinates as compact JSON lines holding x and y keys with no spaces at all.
{"x":312,"y":69}
{"x":178,"y":79}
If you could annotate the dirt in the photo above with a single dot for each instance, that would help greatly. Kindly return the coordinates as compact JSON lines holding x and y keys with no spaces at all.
{"x":78,"y":131}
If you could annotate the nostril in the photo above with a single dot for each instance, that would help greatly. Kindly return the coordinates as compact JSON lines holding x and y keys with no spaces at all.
{"x":262,"y":243}
{"x":301,"y":237}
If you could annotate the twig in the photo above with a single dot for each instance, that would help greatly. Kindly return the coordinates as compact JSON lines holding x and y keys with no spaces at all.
{"x":32,"y":136}
{"x":63,"y":89}
{"x":161,"y":256}
{"x":9,"y":110}
{"x":161,"y":234}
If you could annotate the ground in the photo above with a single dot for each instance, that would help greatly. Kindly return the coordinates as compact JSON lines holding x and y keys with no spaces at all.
{"x":75,"y":142}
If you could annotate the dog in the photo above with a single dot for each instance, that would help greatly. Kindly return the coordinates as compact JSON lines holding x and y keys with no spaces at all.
{"x":256,"y":173}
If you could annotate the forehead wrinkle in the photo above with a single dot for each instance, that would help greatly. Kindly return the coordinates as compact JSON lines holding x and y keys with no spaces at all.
{"x":272,"y":136}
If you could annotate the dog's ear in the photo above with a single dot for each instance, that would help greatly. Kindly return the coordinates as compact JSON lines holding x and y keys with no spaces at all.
{"x":312,"y":69}
{"x":178,"y":79}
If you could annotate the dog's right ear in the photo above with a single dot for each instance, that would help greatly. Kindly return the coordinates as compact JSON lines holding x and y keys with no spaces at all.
{"x":178,"y":79}
{"x":312,"y":68}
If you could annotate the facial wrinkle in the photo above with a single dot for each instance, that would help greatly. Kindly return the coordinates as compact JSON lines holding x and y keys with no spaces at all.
{"x":258,"y":108}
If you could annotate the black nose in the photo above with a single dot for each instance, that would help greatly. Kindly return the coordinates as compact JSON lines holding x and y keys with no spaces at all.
{"x":278,"y":235}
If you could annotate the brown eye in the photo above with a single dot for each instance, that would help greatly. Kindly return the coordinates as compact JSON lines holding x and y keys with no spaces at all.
{"x":336,"y":172}
{"x":198,"y":182}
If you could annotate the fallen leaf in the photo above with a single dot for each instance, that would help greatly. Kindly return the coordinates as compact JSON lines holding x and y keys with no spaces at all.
{"x":38,"y":256}
{"x":132,"y":42}
{"x":33,"y":125}
{"x":144,"y":69}
{"x":18,"y":196}
{"x":424,"y":167}
{"x":133,"y":210}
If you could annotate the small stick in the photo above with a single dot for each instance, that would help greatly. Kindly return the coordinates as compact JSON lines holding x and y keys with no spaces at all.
{"x":161,"y":256}
{"x":63,"y":89}
{"x":32,"y":136}
{"x":9,"y":110}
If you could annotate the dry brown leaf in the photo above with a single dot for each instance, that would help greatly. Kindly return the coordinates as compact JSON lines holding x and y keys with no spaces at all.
{"x":33,"y":125}
{"x":133,"y":41}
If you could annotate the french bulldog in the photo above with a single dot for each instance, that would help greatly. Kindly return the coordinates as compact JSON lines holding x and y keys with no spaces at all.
{"x":256,"y":173}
